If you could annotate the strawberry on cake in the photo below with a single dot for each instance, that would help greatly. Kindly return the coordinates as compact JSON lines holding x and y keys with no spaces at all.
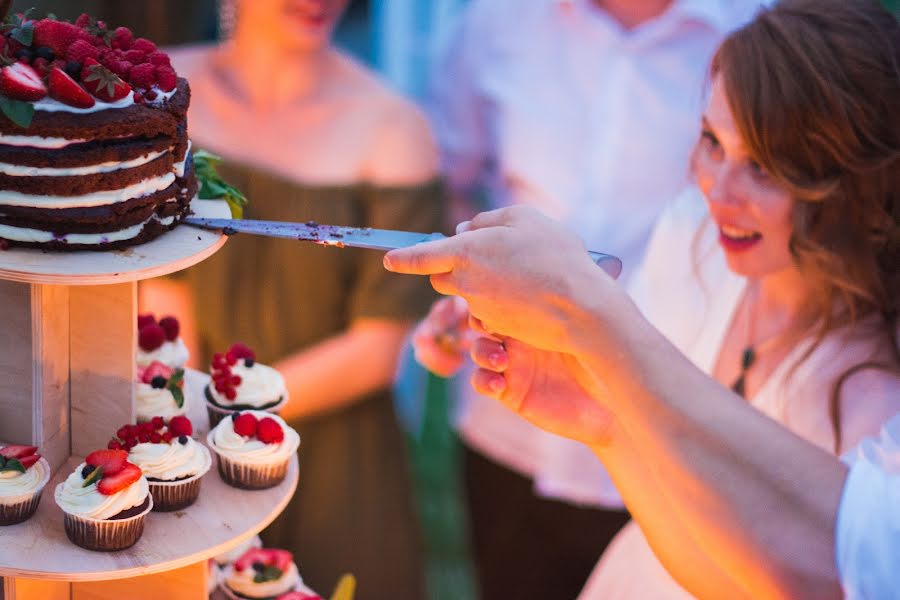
{"x":240,"y":383}
{"x":94,"y":152}
{"x":104,"y":502}
{"x":171,"y":460}
{"x":264,"y":574}
{"x":159,"y":392}
{"x":23,"y":475}
{"x":159,"y":341}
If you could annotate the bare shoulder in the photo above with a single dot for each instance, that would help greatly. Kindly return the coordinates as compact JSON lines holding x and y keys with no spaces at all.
{"x":868,"y":398}
{"x":401,"y":148}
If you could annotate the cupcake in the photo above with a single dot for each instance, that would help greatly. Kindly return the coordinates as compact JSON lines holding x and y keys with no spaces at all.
{"x":171,"y":460}
{"x":159,"y":342}
{"x":104,"y":502}
{"x":240,"y":383}
{"x":254,"y":449}
{"x":159,"y":392}
{"x":23,"y":475}
{"x":261,"y":573}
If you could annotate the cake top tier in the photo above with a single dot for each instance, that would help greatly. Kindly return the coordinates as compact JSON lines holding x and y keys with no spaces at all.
{"x":51,"y":69}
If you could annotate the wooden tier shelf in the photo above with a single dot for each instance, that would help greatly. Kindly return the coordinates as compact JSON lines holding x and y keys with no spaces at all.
{"x":178,"y":249}
{"x":222,"y":518}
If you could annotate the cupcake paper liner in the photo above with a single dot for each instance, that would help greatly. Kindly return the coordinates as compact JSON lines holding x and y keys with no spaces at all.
{"x":10,"y":514}
{"x":217,"y":413}
{"x":252,"y":477}
{"x":106,"y":535}
{"x":175,"y":495}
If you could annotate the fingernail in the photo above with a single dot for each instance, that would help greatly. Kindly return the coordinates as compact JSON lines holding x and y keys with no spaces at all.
{"x":463,"y":227}
{"x":387,"y":262}
{"x":497,"y":359}
{"x":497,"y":384}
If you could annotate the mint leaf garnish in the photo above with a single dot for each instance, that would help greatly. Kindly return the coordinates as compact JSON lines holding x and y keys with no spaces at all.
{"x":270,"y":573}
{"x":13,"y":464}
{"x":213,"y":187}
{"x":175,"y":389}
{"x":17,"y":111}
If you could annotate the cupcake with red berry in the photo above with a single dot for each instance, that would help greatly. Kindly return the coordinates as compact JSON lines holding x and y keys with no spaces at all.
{"x":261,"y":573}
{"x":104,"y":502}
{"x":240,"y":383}
{"x":171,"y":460}
{"x":159,"y":392}
{"x":160,"y":342}
{"x":23,"y":475}
{"x":254,"y":449}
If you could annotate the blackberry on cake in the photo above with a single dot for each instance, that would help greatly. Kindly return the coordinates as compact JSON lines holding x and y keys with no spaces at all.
{"x":94,"y":153}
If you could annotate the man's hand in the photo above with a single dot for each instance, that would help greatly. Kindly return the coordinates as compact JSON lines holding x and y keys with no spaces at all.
{"x":550,"y":389}
{"x":443,"y":338}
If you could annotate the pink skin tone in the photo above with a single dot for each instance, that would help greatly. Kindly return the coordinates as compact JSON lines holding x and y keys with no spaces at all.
{"x":304,"y":25}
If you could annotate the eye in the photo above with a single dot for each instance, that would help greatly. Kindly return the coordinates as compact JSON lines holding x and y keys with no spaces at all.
{"x":758,"y":171}
{"x":709,"y":137}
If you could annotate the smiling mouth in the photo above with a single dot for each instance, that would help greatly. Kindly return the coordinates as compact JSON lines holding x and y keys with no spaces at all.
{"x":307,"y":14}
{"x":736,"y":239}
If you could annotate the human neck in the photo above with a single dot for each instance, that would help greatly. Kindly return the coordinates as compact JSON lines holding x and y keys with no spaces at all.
{"x":270,"y":86}
{"x":781,"y":298}
{"x":630,"y":13}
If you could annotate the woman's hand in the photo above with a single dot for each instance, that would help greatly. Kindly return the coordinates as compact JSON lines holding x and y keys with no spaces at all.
{"x":550,"y":389}
{"x":443,"y":338}
{"x":522,"y":274}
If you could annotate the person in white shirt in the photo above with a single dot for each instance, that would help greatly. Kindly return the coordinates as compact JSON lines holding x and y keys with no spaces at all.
{"x":798,"y":165}
{"x":564,"y":105}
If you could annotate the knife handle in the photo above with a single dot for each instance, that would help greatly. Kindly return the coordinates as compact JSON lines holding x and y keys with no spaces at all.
{"x":609,"y":263}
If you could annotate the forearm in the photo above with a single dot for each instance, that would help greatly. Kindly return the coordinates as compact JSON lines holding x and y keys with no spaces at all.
{"x":759,"y":500}
{"x":338,"y":370}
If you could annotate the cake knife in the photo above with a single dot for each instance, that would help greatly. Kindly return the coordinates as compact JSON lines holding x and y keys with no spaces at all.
{"x":356,"y":237}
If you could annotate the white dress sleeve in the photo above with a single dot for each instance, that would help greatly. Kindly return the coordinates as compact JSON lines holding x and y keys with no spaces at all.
{"x":867,"y":543}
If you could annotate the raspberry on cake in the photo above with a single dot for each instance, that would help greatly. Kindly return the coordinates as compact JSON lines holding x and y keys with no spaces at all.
{"x":240,"y":383}
{"x":254,"y":449}
{"x":160,"y":342}
{"x":94,"y":151}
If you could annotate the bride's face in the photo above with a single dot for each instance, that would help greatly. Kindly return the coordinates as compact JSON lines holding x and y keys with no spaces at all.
{"x":752,"y":211}
{"x":294,"y":24}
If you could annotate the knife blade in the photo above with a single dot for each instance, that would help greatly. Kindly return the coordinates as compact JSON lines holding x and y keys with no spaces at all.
{"x":356,"y":237}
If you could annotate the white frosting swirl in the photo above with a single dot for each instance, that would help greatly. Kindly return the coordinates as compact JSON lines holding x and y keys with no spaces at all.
{"x":16,"y":487}
{"x":242,"y":582}
{"x":229,"y":444}
{"x":171,"y":461}
{"x":89,"y":503}
{"x":151,"y":402}
{"x":172,"y":354}
{"x":238,"y":551}
{"x":260,"y":385}
{"x":50,"y":105}
{"x":37,"y":141}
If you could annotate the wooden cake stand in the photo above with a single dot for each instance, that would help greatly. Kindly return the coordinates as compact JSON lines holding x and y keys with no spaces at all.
{"x":67,"y":367}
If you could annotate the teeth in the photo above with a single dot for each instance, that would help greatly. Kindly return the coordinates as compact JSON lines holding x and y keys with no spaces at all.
{"x":737,"y":234}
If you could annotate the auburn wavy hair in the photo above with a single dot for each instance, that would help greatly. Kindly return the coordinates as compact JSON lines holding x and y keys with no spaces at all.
{"x":814,"y":87}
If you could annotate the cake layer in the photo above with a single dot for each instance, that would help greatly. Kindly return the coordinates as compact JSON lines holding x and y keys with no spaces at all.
{"x":136,"y":120}
{"x":87,"y":153}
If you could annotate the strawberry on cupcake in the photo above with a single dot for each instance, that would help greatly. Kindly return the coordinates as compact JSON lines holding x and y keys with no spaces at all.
{"x":253,"y":448}
{"x":104,"y":502}
{"x":240,"y":383}
{"x":159,"y":392}
{"x":159,"y":341}
{"x":171,"y":460}
{"x":262,"y":573}
{"x":23,"y":475}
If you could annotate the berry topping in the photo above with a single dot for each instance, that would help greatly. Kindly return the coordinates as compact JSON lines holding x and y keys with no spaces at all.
{"x":56,"y":35}
{"x":66,"y":90}
{"x":295,"y":595}
{"x":181,"y":425}
{"x":83,"y":20}
{"x":143,"y":45}
{"x":240,"y":350}
{"x":154,"y":370}
{"x":115,"y":445}
{"x":122,"y":38}
{"x":144,"y":320}
{"x":116,"y":483}
{"x":82,"y":50}
{"x":160,"y":59}
{"x":158,"y":422}
{"x":151,"y":337}
{"x":45,"y":53}
{"x":158,"y":382}
{"x":269,"y":431}
{"x":166,"y":78}
{"x":245,"y":425}
{"x":230,"y":394}
{"x":20,"y":82}
{"x":234,"y":416}
{"x":17,"y":451}
{"x":171,"y":327}
{"x":93,"y":476}
{"x":167,"y":437}
{"x":183,"y":439}
{"x":111,"y":461}
{"x":155,"y":438}
{"x":103,"y":83}
{"x":249,"y":362}
{"x":268,"y":557}
{"x":143,"y":76}
{"x":28,"y":461}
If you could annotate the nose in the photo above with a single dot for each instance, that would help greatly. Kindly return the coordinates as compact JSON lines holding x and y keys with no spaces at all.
{"x":723,"y":183}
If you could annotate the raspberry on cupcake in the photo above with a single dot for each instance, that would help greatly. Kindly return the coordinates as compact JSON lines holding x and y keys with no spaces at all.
{"x":159,"y":391}
{"x":23,"y":475}
{"x":240,"y":383}
{"x":104,"y":502}
{"x":172,"y":461}
{"x":254,"y":449}
{"x":160,"y":342}
{"x":263,"y":573}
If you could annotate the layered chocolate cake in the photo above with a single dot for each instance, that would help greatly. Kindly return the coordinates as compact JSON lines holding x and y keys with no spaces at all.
{"x":94,"y":151}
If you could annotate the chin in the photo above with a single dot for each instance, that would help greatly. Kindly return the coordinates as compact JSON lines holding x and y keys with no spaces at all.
{"x":752,"y":267}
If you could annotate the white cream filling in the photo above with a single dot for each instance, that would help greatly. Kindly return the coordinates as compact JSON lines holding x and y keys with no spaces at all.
{"x":171,"y":461}
{"x":88,"y":502}
{"x":151,"y":402}
{"x":23,"y":234}
{"x":16,"y":487}
{"x":179,"y":166}
{"x":173,"y":354}
{"x":34,"y":141}
{"x":107,"y":167}
{"x":242,"y":582}
{"x":136,"y":190}
{"x":161,"y":96}
{"x":260,"y":385}
{"x":48,"y":104}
